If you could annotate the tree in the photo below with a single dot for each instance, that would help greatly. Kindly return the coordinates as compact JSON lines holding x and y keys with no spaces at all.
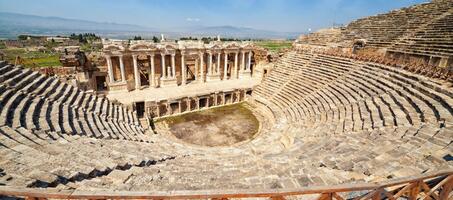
{"x":155,"y":39}
{"x":22,"y":37}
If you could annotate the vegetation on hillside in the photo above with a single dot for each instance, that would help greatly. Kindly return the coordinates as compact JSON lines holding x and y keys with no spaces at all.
{"x":206,"y":40}
{"x":85,"y":37}
{"x":274,"y":45}
{"x":138,"y":37}
{"x":32,"y":58}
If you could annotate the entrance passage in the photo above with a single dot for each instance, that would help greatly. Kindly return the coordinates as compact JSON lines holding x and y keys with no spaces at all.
{"x":203,"y":103}
{"x":221,"y":126}
{"x":101,"y":84}
{"x":140,"y":109}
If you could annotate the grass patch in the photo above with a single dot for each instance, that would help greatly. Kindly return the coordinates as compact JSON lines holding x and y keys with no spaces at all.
{"x":274,"y":46}
{"x":220,"y":126}
{"x":239,"y":107}
{"x":32,"y":58}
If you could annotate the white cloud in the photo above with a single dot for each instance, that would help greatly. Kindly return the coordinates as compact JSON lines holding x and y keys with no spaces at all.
{"x":190,"y":19}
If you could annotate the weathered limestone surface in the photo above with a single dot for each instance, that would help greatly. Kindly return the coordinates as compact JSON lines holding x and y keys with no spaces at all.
{"x":175,"y":92}
{"x":420,"y":34}
{"x":170,"y":63}
{"x":323,"y":120}
{"x":212,"y":127}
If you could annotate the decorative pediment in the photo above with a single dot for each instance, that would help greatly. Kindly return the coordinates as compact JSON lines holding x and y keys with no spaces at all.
{"x":170,"y":46}
{"x":231,"y":45}
{"x":214,"y":46}
{"x":113,"y":48}
{"x":138,"y":47}
{"x":247,"y":45}
{"x":142,"y":45}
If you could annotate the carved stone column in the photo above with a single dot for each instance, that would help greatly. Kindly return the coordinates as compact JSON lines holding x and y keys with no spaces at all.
{"x":183,"y":70}
{"x":218,"y":65}
{"x":110,"y":68}
{"x":201,"y":67}
{"x":196,"y":69}
{"x":136,"y":73}
{"x":210,"y":64}
{"x":249,"y":63}
{"x":179,"y":106}
{"x":243,"y":61}
{"x":164,"y":73}
{"x":225,"y":67}
{"x":173,"y":67}
{"x":235,"y":74}
{"x":123,"y":74}
{"x":152,"y":74}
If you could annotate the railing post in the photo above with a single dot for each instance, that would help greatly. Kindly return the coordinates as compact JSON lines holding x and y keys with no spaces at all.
{"x":278,"y":198}
{"x":34,"y":198}
{"x":447,"y":188}
{"x":337,"y":197}
{"x":377,"y":194}
{"x":412,"y":188}
{"x":325,"y":196}
{"x":414,"y":191}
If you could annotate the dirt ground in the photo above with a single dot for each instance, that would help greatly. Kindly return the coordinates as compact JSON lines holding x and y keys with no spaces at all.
{"x":221,"y":126}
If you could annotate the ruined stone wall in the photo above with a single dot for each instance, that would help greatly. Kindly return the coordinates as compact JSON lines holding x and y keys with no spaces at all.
{"x":169,"y":107}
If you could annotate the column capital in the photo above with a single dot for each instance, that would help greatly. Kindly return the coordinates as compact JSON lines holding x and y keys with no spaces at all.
{"x":107,"y":56}
{"x":134,"y":56}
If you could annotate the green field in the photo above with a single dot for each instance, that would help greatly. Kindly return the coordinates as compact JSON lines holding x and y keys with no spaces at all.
{"x":32,"y":58}
{"x":274,"y":46}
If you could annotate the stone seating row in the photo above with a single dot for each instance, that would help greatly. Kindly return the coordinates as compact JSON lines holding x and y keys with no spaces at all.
{"x":50,"y":159}
{"x":386,"y":100}
{"x":323,"y":120}
{"x":433,"y":39}
{"x":36,"y":102}
{"x":327,"y":118}
{"x":402,"y":151}
{"x":399,"y":30}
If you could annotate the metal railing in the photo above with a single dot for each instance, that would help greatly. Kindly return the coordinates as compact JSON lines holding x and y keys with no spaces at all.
{"x":431,"y":186}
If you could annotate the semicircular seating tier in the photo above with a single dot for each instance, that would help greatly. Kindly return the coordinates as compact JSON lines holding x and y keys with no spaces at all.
{"x":37,"y":102}
{"x":423,"y":30}
{"x":53,"y":133}
{"x":323,"y":120}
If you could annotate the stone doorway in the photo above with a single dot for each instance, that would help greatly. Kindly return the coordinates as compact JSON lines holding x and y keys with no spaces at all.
{"x":101,"y":83}
{"x":264,"y":74}
{"x":174,"y":107}
{"x":144,"y":77}
{"x":190,"y":73}
{"x":228,"y":98}
{"x":203,"y":103}
{"x":140,"y":109}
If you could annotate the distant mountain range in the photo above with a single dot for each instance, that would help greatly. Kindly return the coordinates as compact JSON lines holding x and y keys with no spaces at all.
{"x":13,"y":24}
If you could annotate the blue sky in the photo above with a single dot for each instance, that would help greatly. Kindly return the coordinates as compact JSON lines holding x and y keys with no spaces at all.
{"x":274,"y":15}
